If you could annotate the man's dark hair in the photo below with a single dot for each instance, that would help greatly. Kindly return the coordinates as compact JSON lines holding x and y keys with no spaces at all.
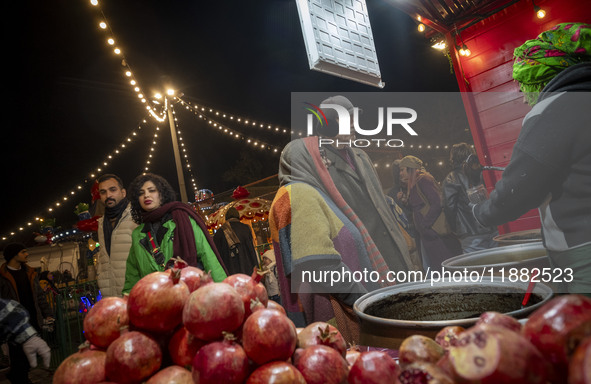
{"x":108,"y":176}
{"x":232,"y":213}
{"x":167,"y":194}
{"x":459,"y":153}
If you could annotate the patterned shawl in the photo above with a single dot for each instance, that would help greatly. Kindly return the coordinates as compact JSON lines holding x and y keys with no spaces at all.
{"x":301,"y":161}
{"x":538,"y":61}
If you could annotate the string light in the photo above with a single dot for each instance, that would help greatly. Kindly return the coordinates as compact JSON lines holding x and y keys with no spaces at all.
{"x":202,"y":113}
{"x":437,"y":151}
{"x":245,"y":121}
{"x":78,"y":188}
{"x":104,"y":26}
{"x":464,"y":51}
{"x":540,"y":13}
{"x":185,"y":155}
{"x":151,"y":150}
{"x":205,"y":114}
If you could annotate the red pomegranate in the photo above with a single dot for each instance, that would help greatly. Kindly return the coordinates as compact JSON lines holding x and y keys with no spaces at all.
{"x":448,"y":336}
{"x":374,"y":367}
{"x":246,"y":286}
{"x":156,"y":301}
{"x":424,"y":372}
{"x":490,"y":354}
{"x":556,"y":328}
{"x":183,"y":346}
{"x":321,"y":333}
{"x":275,"y":305}
{"x":220,"y":362}
{"x":133,"y":357}
{"x":268,"y":335}
{"x":500,"y":319}
{"x":276,"y":372}
{"x":579,"y":367}
{"x":261,"y":292}
{"x":419,"y":348}
{"x":320,"y":364}
{"x":103,"y":323}
{"x":255,"y":305}
{"x":84,"y":366}
{"x":192,"y":276}
{"x":173,"y":374}
{"x":213,"y":309}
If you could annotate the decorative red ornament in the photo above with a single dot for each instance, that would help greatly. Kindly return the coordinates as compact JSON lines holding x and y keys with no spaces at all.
{"x":240,"y":193}
{"x":88,"y":225}
{"x":94,"y":191}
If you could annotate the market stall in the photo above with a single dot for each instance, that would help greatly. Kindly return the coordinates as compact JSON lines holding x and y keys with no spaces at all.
{"x":253,"y":212}
{"x":62,"y":257}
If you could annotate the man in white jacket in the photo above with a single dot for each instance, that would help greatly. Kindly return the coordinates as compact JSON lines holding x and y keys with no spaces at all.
{"x":114,"y":232}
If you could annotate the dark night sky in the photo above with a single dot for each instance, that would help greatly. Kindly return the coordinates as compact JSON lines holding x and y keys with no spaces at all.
{"x":70,"y":105}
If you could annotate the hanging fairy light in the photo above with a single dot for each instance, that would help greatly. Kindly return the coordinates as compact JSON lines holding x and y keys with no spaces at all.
{"x":78,"y":188}
{"x":151,"y":150}
{"x":540,"y":13}
{"x":185,"y":155}
{"x":202,"y":113}
{"x":208,"y":110}
{"x":464,"y":51}
{"x":104,"y":26}
{"x":159,"y":116}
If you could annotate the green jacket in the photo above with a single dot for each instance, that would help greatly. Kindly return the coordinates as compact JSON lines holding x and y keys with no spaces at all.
{"x":140,"y":261}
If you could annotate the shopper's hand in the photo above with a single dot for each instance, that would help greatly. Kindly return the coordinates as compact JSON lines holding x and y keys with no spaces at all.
{"x":37,"y":346}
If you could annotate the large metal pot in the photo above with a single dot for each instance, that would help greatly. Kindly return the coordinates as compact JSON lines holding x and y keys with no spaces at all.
{"x":520,"y":237}
{"x":389,"y":315}
{"x":500,"y":260}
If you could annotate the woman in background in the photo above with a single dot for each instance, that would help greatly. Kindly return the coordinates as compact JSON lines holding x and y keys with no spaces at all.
{"x":425,"y":200}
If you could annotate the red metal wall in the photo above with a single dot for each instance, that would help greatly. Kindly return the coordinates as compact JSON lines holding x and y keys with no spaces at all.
{"x":494,"y":105}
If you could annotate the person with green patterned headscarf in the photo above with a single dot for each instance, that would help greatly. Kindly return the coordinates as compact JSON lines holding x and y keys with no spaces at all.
{"x":538,"y":61}
{"x":550,"y":167}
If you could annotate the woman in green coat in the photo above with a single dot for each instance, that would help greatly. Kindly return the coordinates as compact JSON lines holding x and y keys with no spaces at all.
{"x":167,"y":228}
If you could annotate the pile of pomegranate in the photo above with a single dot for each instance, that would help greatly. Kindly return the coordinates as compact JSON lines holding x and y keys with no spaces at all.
{"x":553,"y":346}
{"x":179,"y":326}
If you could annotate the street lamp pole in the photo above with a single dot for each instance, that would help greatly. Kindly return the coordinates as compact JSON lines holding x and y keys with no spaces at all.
{"x":177,"y":155}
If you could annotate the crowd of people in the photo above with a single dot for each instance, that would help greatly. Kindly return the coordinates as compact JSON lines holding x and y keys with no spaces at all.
{"x":332,"y":213}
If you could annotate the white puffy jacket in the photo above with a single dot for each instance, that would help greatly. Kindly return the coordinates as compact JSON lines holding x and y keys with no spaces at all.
{"x":111,"y":270}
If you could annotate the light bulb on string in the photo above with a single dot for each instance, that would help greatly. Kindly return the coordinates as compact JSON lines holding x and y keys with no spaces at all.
{"x":540,"y":13}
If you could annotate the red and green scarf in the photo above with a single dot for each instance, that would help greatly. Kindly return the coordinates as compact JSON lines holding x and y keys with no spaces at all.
{"x":538,"y":61}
